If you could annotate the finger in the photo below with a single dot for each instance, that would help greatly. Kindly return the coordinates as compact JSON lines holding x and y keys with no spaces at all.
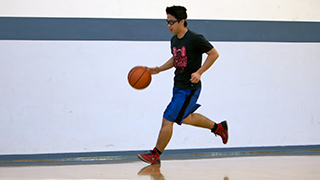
{"x":192,"y":78}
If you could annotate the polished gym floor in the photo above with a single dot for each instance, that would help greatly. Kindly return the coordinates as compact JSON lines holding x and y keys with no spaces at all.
{"x":228,"y":168}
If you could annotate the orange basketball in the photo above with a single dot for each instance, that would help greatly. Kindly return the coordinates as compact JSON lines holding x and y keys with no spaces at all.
{"x":139,"y":77}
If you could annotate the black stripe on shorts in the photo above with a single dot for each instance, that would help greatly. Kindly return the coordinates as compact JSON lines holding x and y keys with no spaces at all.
{"x":184,"y":107}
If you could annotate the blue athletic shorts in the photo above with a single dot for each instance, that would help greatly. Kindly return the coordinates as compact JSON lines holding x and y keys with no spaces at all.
{"x":182,"y":104}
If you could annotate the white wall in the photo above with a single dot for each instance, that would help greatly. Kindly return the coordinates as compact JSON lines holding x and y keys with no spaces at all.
{"x":293,"y":10}
{"x":73,"y":96}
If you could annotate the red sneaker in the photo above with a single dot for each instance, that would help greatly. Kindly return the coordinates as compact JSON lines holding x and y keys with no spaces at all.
{"x":151,"y":157}
{"x":222,"y":131}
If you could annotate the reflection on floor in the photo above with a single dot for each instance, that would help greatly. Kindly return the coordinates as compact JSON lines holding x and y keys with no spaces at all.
{"x":236,"y":168}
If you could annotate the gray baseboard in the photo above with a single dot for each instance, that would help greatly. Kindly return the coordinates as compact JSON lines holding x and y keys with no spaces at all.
{"x":131,"y":156}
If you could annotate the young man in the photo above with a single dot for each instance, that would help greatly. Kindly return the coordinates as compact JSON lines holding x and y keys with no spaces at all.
{"x":187,"y":48}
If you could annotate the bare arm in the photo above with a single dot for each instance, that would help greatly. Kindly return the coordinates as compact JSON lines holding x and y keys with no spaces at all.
{"x":165,"y":66}
{"x":212,"y":57}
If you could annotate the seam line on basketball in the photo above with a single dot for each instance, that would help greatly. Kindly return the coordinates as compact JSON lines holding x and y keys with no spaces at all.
{"x":139,"y":77}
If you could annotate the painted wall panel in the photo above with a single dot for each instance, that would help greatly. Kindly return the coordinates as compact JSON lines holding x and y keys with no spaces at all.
{"x":64,"y":96}
{"x":154,"y":30}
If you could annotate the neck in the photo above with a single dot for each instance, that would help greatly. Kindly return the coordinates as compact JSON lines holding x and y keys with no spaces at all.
{"x":181,"y":33}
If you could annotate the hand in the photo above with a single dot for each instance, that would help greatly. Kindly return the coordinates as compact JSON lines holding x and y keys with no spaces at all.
{"x":195,"y":77}
{"x":154,"y":70}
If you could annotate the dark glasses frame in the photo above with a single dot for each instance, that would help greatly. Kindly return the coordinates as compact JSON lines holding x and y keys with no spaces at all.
{"x":171,"y":22}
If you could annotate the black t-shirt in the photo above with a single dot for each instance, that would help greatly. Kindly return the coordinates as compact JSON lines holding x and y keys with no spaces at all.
{"x":187,"y":53}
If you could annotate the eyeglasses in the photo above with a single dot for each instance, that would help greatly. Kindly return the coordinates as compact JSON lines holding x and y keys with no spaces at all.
{"x":171,"y":22}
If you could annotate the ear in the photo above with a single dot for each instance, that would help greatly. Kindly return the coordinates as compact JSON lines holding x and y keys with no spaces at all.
{"x":182,"y":21}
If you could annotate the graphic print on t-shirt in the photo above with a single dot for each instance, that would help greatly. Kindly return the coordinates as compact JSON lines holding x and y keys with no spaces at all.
{"x":180,"y":58}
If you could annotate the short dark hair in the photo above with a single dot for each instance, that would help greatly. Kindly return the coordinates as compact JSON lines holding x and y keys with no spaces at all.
{"x":179,"y":12}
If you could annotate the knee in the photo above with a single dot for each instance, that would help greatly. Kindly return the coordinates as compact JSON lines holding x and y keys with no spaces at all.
{"x":166,"y":123}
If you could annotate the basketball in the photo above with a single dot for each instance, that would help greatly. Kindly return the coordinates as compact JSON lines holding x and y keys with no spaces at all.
{"x":139,"y":77}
